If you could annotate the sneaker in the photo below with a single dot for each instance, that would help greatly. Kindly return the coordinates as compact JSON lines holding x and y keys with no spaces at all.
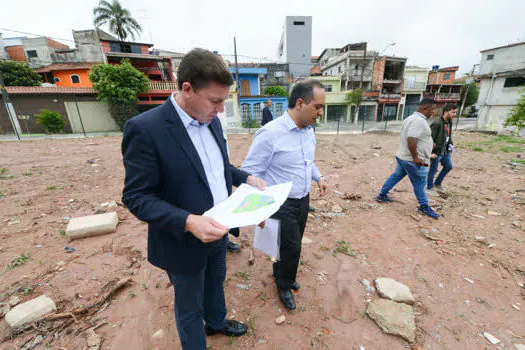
{"x":383,"y":198}
{"x":432,"y":193}
{"x":427,"y":210}
{"x":440,"y":189}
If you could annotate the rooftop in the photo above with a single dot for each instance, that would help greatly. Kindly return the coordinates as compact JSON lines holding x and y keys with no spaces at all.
{"x":504,"y":47}
{"x":66,"y":66}
{"x":137,"y":56}
{"x":20,"y":90}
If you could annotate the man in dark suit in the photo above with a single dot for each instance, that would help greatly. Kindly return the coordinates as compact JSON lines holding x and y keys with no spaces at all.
{"x":267,"y":113}
{"x":177,"y":167}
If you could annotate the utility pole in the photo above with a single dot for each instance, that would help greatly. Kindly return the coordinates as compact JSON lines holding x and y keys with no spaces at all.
{"x":466,"y":93}
{"x":6,"y":103}
{"x":236,"y":67}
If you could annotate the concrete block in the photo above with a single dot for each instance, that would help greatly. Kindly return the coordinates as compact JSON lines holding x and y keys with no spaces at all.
{"x":30,"y":311}
{"x":93,"y":225}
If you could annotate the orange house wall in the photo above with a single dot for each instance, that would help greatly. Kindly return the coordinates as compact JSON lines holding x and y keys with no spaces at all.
{"x":65,"y":78}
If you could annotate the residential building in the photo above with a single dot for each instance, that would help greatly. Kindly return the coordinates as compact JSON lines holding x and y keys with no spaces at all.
{"x":295,"y":46}
{"x":415,"y":83}
{"x":250,"y":95}
{"x":353,"y":63}
{"x":387,"y":83}
{"x":440,"y":76}
{"x":441,"y":87}
{"x":36,"y":51}
{"x":176,"y":58}
{"x":502,"y":79}
{"x":72,"y":74}
{"x":336,"y":107}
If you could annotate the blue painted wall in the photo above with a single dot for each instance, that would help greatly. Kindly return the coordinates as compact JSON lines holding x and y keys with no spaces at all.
{"x":252,"y":75}
{"x":252,"y":101}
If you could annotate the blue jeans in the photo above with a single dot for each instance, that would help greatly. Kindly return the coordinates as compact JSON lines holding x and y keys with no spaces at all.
{"x":417,"y":176}
{"x":199,"y":298}
{"x":446,"y":162}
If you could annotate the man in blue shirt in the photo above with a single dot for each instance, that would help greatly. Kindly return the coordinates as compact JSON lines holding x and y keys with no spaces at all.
{"x":284,"y":151}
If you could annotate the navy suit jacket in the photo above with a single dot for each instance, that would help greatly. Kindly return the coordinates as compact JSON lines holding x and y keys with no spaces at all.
{"x":267,"y":116}
{"x":165,"y":182}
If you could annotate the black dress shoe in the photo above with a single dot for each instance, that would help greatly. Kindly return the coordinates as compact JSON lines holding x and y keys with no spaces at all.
{"x":287,"y":299}
{"x":231,"y":329}
{"x":296,"y":286}
{"x":233,"y":247}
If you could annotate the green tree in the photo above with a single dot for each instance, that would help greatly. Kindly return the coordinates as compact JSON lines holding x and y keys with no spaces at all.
{"x":355,"y":97}
{"x":52,"y":122}
{"x":117,"y":18}
{"x":276,"y":91}
{"x":517,"y":115}
{"x":18,"y":74}
{"x":472,"y":94}
{"x":119,"y":85}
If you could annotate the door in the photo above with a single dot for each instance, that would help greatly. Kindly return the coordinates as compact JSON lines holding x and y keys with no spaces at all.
{"x":245,"y":88}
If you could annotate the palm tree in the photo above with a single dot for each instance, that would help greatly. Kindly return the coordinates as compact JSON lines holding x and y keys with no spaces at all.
{"x":118,"y":18}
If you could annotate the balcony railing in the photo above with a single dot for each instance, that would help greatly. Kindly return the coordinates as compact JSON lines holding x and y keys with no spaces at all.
{"x":448,"y":96}
{"x":390,"y":96}
{"x":162,"y":85}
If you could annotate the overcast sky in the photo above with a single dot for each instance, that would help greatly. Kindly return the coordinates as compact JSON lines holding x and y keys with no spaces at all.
{"x":446,"y":32}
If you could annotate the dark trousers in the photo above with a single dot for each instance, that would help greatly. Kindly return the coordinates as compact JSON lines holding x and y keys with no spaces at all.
{"x":200,"y":298}
{"x":292,"y":215}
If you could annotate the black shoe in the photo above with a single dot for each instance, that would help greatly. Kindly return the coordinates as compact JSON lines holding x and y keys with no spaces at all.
{"x":233,"y":247}
{"x":231,"y":329}
{"x":287,"y":299}
{"x":296,"y":286}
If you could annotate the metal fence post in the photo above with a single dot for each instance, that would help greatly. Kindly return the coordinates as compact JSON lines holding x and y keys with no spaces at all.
{"x":386,"y":122}
{"x":363,"y":128}
{"x":338,"y":119}
{"x":79,"y":116}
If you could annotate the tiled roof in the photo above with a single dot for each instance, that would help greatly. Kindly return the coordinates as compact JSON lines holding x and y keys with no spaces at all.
{"x":20,"y":90}
{"x":66,"y":66}
{"x":137,"y":55}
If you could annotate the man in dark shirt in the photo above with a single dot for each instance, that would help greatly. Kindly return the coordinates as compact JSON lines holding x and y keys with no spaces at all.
{"x":267,"y":113}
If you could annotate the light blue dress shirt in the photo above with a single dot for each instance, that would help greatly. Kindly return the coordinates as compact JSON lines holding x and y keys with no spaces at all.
{"x":281,"y":152}
{"x":209,"y":153}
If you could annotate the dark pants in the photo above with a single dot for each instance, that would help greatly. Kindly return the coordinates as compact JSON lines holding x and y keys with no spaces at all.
{"x":292,"y":215}
{"x":200,"y":298}
{"x":446,"y":162}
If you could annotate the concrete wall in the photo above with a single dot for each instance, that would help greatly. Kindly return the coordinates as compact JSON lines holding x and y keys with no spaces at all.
{"x":335,"y":82}
{"x":40,"y":45}
{"x":88,"y":45}
{"x":95,"y":117}
{"x":282,"y":70}
{"x":65,"y":78}
{"x":505,"y":59}
{"x":3,"y":53}
{"x":495,"y":103}
{"x":298,"y":45}
{"x":415,"y":79}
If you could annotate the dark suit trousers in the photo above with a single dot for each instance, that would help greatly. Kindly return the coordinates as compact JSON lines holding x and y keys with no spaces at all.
{"x":200,"y":298}
{"x":292,"y":215}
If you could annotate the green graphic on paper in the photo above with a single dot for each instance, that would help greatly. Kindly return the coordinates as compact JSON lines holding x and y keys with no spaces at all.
{"x":253,"y":202}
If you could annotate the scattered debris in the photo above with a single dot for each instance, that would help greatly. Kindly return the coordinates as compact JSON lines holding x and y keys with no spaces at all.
{"x":468,"y":280}
{"x":491,"y":338}
{"x":158,"y":334}
{"x":69,"y":249}
{"x":243,"y":286}
{"x":369,"y":288}
{"x":280,"y":320}
{"x":33,"y":344}
{"x":14,"y":300}
{"x":93,"y":225}
{"x":321,"y":277}
{"x":415,"y":217}
{"x":337,"y":209}
{"x":516,"y":307}
{"x":393,"y":290}
{"x":516,"y":224}
{"x":93,"y":340}
{"x":480,"y":238}
{"x":478,"y":216}
{"x":393,"y":318}
{"x":492,"y":245}
{"x":30,"y":311}
{"x":494,"y":213}
{"x":306,"y":240}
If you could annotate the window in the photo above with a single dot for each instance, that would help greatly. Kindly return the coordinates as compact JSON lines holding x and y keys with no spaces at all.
{"x":446,"y":76}
{"x":339,"y":69}
{"x":356,"y":66}
{"x":57,"y":80}
{"x":279,"y":74}
{"x":136,"y":49}
{"x":31,"y":54}
{"x":278,"y":109}
{"x":75,"y":79}
{"x":490,"y":57}
{"x":298,"y":23}
{"x":514,"y":82}
{"x":328,"y":88}
{"x":125,"y":48}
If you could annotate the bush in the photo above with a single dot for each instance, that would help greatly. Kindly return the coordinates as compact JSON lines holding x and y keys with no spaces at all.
{"x":250,"y":124}
{"x":18,"y":74}
{"x":517,"y":115}
{"x":276,"y":91}
{"x":52,"y":122}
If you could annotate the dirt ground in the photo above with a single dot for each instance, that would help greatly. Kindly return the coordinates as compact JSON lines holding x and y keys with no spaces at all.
{"x":48,"y":181}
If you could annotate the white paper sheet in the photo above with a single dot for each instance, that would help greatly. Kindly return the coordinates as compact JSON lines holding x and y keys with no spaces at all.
{"x":249,"y":206}
{"x":267,"y":239}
